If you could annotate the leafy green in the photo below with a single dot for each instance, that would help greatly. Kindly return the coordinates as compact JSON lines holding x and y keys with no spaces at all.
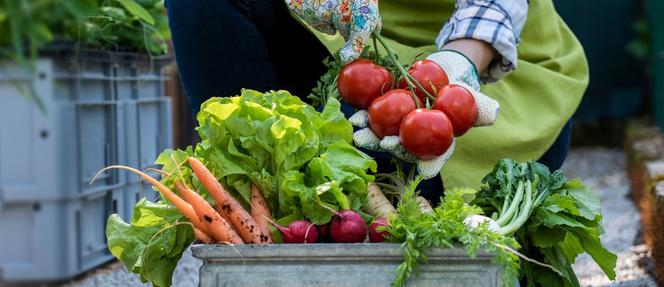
{"x":562,"y":220}
{"x":152,"y":243}
{"x":137,"y":10}
{"x":326,"y":86}
{"x":290,"y":151}
{"x":445,"y":228}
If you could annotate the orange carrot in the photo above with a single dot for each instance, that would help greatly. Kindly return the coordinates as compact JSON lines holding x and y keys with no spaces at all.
{"x":184,"y":207}
{"x":259,"y":210}
{"x":230,"y":208}
{"x":202,"y":237}
{"x":219,"y":228}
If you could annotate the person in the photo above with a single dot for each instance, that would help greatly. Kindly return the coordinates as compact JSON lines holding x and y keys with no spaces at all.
{"x":526,"y":57}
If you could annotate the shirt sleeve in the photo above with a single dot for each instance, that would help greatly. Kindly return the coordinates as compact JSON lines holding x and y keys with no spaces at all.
{"x":497,"y":22}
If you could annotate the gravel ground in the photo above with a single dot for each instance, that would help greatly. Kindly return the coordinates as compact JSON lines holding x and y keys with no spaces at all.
{"x":114,"y":274}
{"x":603,"y":170}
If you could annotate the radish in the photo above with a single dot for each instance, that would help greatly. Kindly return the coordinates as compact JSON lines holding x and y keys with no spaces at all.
{"x":374,"y":234}
{"x":298,"y":231}
{"x":323,"y":232}
{"x":348,"y":227}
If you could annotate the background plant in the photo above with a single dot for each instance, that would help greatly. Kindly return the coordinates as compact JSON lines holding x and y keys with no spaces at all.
{"x":26,"y":26}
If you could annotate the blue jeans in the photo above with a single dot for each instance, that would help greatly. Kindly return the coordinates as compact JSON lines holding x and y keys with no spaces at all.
{"x":223,"y":46}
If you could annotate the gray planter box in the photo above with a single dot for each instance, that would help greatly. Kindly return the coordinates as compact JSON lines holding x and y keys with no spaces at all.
{"x":338,"y":265}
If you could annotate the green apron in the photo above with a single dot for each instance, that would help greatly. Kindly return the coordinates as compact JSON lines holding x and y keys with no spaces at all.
{"x":536,"y":100}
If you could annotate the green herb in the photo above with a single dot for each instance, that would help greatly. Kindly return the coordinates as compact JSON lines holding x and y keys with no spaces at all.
{"x":445,"y":228}
{"x":553,"y":219}
{"x":326,"y":86}
{"x":152,"y":243}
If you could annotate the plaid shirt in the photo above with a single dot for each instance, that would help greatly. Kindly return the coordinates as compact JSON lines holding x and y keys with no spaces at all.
{"x":497,"y":22}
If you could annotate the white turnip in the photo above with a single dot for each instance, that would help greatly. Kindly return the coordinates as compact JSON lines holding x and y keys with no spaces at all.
{"x":476,"y":220}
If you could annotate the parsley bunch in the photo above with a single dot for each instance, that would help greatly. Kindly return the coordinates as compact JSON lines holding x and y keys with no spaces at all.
{"x":445,"y":228}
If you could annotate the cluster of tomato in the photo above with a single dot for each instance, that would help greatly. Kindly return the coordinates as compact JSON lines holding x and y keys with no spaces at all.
{"x":425,"y":133}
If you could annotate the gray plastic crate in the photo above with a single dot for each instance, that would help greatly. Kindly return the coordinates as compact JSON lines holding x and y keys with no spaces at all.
{"x":50,"y":241}
{"x":101,"y":109}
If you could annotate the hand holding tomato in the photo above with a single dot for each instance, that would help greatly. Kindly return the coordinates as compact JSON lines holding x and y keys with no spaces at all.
{"x":397,"y":121}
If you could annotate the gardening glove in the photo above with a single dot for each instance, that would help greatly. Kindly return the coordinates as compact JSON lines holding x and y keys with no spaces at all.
{"x":460,"y":71}
{"x":355,"y":20}
{"x":365,"y":138}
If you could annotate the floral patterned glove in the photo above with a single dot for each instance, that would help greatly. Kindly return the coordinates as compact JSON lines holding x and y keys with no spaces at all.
{"x":355,"y":20}
{"x":460,"y":71}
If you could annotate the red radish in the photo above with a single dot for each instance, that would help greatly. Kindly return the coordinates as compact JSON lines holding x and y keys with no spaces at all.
{"x":429,"y":74}
{"x":361,"y":81}
{"x":348,"y":227}
{"x":323,"y":232}
{"x":459,"y":106}
{"x":426,"y":133}
{"x":298,"y":231}
{"x":374,"y":234}
{"x":387,"y":111}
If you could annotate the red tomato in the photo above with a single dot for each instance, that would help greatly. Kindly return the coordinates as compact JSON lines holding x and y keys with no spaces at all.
{"x":459,"y":106}
{"x":426,"y":133}
{"x":387,"y":111}
{"x":427,"y":73}
{"x":361,"y":81}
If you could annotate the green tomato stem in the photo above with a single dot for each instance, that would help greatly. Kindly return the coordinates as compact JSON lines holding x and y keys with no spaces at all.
{"x":402,"y":71}
{"x":419,"y":86}
{"x":376,"y":49}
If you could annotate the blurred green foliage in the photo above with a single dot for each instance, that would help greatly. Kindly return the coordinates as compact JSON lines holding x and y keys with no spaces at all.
{"x":639,"y":47}
{"x":26,"y":26}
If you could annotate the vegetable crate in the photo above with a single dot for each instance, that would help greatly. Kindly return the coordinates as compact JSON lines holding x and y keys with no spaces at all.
{"x":100,"y":108}
{"x":338,"y":265}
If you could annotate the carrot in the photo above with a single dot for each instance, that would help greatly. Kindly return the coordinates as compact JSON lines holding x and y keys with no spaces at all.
{"x":218,"y":227}
{"x":425,"y":206}
{"x":259,"y":210}
{"x":230,"y":207}
{"x":377,"y":204}
{"x":184,"y":207}
{"x":202,"y":237}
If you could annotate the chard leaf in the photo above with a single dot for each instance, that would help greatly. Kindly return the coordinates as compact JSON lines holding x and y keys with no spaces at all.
{"x":589,"y":239}
{"x":152,"y":244}
{"x":550,"y":219}
{"x":565,"y":221}
{"x":585,"y":200}
{"x":547,"y":237}
{"x":558,"y":202}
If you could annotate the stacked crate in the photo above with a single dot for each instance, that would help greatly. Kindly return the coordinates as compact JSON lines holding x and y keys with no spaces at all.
{"x":101,"y":109}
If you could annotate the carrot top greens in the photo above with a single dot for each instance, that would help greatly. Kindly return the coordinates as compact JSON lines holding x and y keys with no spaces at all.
{"x":444,"y":228}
